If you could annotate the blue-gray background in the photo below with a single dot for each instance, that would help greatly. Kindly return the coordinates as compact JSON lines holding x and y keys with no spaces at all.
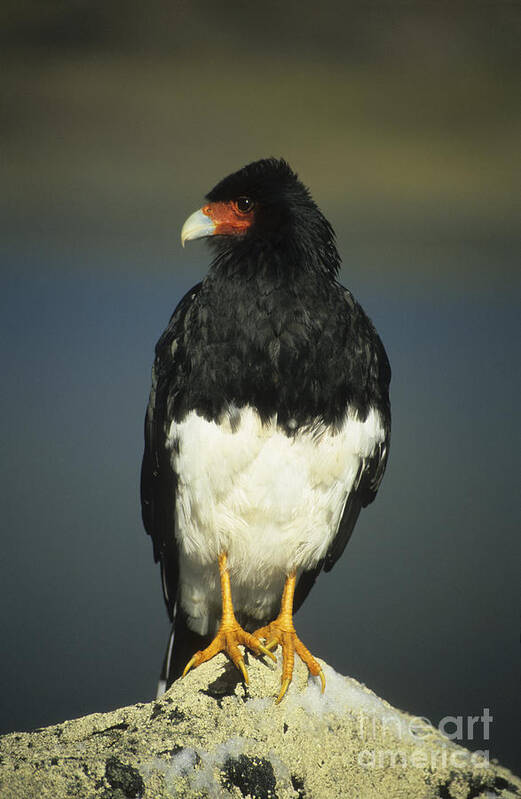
{"x":404,"y":119}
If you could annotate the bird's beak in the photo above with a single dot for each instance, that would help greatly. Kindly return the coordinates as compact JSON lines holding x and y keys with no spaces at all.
{"x":197,"y":226}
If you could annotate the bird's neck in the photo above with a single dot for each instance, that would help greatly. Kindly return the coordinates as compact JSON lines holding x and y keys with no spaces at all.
{"x":291,"y":257}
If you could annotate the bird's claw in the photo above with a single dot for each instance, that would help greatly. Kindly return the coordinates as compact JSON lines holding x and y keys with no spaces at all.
{"x":282,"y":632}
{"x":227,"y":640}
{"x":243,"y":670}
{"x":284,"y":687}
{"x":190,"y":664}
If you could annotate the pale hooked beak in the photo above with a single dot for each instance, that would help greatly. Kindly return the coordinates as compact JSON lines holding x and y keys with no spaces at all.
{"x":197,"y":226}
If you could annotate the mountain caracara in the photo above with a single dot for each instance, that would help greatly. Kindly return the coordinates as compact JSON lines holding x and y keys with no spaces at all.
{"x":267,"y":428}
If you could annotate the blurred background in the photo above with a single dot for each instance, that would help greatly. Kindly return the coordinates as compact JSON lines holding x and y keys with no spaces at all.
{"x":405,"y":121}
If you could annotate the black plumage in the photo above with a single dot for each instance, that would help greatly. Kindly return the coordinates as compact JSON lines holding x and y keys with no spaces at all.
{"x":268,"y":328}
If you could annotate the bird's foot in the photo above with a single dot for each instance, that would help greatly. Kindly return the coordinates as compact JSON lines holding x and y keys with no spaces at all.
{"x":229,"y":636}
{"x":281,"y":631}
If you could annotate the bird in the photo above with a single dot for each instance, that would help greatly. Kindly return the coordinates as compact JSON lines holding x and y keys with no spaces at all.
{"x":267,"y":428}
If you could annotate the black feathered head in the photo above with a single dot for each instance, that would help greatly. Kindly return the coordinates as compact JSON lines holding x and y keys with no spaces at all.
{"x":264,"y":210}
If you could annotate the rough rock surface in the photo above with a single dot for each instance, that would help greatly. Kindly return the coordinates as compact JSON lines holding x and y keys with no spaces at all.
{"x":209,"y":736}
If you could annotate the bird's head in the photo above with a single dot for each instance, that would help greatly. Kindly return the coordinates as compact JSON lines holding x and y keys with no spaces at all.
{"x":264,"y":207}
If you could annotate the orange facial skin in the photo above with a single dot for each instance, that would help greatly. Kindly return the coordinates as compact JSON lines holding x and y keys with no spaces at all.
{"x":229,"y":221}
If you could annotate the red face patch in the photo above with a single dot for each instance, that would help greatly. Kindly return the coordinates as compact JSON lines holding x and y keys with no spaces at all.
{"x":231,"y":218}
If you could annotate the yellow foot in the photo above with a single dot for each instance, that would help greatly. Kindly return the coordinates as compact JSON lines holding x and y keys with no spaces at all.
{"x":281,"y":631}
{"x":229,"y":636}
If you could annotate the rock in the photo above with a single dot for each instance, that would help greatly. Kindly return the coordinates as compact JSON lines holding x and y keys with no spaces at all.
{"x":210,"y":736}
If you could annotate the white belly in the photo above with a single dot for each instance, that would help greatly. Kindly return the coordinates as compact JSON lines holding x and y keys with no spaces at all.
{"x":271,"y":502}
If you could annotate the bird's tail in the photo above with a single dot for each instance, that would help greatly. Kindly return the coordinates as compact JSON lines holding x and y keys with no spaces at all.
{"x":183,"y":643}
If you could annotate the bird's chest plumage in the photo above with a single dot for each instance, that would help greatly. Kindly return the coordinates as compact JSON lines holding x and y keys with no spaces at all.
{"x":276,"y":347}
{"x":250,"y":337}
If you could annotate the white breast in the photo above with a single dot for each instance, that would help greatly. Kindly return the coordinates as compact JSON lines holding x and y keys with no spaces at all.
{"x":272,"y":502}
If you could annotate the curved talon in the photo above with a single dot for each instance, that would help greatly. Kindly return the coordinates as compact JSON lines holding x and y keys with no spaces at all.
{"x":322,"y":680}
{"x":252,"y":642}
{"x":273,"y":644}
{"x":189,"y":665}
{"x":283,"y":689}
{"x":265,"y":651}
{"x":242,"y":668}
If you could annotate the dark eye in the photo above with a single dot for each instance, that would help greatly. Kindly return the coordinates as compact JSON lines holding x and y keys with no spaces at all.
{"x":244,"y":205}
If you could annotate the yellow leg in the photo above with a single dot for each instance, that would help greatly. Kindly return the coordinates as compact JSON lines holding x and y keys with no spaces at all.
{"x":281,"y":631}
{"x":230,"y":634}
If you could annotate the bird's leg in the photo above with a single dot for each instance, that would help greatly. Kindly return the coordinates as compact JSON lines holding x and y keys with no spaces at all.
{"x":230,"y":634}
{"x":281,"y":631}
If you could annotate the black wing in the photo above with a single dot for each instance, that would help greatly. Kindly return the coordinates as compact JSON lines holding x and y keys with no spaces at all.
{"x":377,"y":379}
{"x":362,"y":494}
{"x":367,"y":483}
{"x":158,"y":479}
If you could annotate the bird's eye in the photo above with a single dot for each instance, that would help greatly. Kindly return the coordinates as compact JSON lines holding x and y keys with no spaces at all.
{"x":244,"y":205}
